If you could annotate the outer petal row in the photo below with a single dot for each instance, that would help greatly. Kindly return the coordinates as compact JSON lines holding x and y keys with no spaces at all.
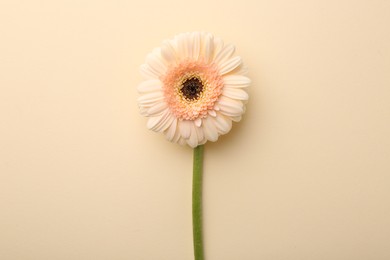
{"x":187,"y":132}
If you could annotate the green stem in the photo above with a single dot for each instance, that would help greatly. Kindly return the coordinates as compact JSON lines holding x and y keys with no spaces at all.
{"x":197,"y":202}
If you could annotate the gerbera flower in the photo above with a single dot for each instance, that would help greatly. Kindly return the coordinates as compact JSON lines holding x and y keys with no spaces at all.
{"x":194,"y":88}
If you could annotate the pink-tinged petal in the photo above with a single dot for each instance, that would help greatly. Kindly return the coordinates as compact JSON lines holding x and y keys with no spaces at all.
{"x":212,"y":113}
{"x":230,"y":65}
{"x":224,"y":54}
{"x":209,"y":129}
{"x":193,"y":139}
{"x":149,"y":86}
{"x":223,"y":124}
{"x":198,"y":122}
{"x":235,"y":93}
{"x":236,"y":81}
{"x":230,"y":107}
{"x":171,"y":131}
{"x":157,"y":109}
{"x":185,"y":128}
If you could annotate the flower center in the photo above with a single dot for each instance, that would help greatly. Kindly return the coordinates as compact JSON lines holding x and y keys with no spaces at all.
{"x":192,"y":88}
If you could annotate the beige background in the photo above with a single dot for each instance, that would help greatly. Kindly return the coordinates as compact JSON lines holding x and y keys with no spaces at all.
{"x":305,"y":175}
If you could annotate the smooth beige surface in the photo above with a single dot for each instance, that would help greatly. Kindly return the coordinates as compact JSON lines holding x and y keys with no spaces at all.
{"x":305,"y":175}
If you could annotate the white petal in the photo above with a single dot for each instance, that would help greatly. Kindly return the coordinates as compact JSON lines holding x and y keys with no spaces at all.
{"x":143,"y":111}
{"x":148,"y":73}
{"x":170,"y":133}
{"x":230,"y":65}
{"x":203,"y":141}
{"x":189,"y":45}
{"x":208,"y":47}
{"x":236,"y":81}
{"x":182,"y":45}
{"x":195,"y":45}
{"x":181,"y":141}
{"x":241,"y":70}
{"x":150,"y":98}
{"x":164,"y":123}
{"x":223,"y":124}
{"x":199,"y":132}
{"x":193,"y":139}
{"x":235,"y":93}
{"x":185,"y":128}
{"x":236,"y":118}
{"x":177,"y":135}
{"x":209,"y":129}
{"x":154,"y":122}
{"x":168,"y":53}
{"x":231,"y":112}
{"x":157,"y":109}
{"x":149,"y":86}
{"x":224,"y":54}
{"x":218,"y":46}
{"x":212,"y":113}
{"x":198,"y":122}
{"x":156,"y":65}
{"x":230,"y":107}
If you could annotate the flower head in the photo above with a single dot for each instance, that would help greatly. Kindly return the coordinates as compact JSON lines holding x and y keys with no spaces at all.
{"x":194,"y":88}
